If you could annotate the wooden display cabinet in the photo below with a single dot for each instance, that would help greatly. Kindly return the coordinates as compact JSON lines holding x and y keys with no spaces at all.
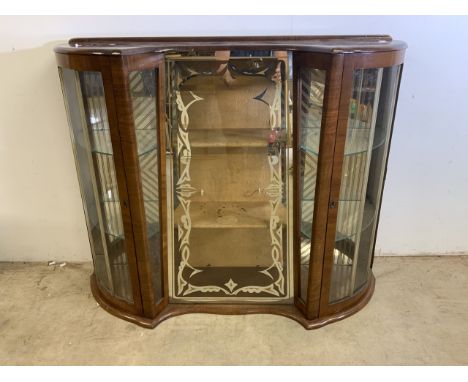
{"x":232,"y":175}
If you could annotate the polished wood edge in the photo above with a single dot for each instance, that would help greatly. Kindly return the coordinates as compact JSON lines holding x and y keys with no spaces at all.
{"x":296,"y":184}
{"x":335,"y":186}
{"x":173,"y":310}
{"x":107,"y":302}
{"x":146,"y":61}
{"x":81,"y":62}
{"x":317,"y":48}
{"x":367,"y":60}
{"x":162,"y":173}
{"x":141,"y":45}
{"x":131,"y":170}
{"x":370,"y":37}
{"x":323,"y":183}
{"x":112,"y":102}
{"x":359,"y":301}
{"x":313,"y":60}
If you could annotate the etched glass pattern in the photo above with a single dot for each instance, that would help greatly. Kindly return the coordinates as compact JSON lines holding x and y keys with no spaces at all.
{"x":143,"y":89}
{"x":228,"y":131}
{"x":311,"y":93}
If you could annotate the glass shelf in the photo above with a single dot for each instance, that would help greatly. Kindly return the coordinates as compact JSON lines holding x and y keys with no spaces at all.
{"x":115,"y":236}
{"x":107,"y":129}
{"x":230,"y":214}
{"x":344,"y":232}
{"x":246,"y":137}
{"x":109,"y":200}
{"x":146,"y":141}
{"x":380,"y":137}
{"x":341,"y":234}
{"x":153,"y":229}
{"x":150,"y":150}
{"x":310,"y":140}
{"x":118,"y":201}
{"x":340,"y":199}
{"x":357,"y":140}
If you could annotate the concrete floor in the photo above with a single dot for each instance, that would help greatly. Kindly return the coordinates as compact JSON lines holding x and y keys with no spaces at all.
{"x":418,"y":315}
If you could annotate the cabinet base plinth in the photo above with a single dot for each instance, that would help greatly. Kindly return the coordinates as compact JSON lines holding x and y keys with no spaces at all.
{"x":290,"y":311}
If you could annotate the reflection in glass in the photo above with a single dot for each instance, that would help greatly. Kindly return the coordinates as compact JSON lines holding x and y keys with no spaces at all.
{"x":311,"y":93}
{"x":85,"y":102}
{"x":369,"y":123}
{"x":143,"y":88}
{"x":228,"y":120}
{"x":71,"y":91}
{"x":383,"y":126}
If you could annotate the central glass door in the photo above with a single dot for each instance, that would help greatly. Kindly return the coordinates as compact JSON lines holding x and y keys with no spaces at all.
{"x":228,"y":118}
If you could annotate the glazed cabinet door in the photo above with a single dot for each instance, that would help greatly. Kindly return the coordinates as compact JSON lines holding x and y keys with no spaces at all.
{"x":369,"y":91}
{"x":139,"y":94}
{"x":89,"y":100}
{"x":317,"y":81}
{"x":228,"y":116}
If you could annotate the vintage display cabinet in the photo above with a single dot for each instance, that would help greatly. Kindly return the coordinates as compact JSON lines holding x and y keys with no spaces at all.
{"x":232,"y":175}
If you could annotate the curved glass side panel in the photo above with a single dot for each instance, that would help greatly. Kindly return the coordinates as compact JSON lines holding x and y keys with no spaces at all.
{"x":87,"y":114}
{"x":143,"y":88}
{"x":370,"y":119}
{"x":311,"y":93}
{"x":383,"y":127}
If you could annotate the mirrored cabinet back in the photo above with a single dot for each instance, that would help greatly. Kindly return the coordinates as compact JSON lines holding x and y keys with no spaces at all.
{"x":232,"y":175}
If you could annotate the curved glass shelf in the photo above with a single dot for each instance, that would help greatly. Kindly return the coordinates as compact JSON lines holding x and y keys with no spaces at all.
{"x":109,"y":198}
{"x":146,"y":141}
{"x":149,"y":151}
{"x":114,"y":236}
{"x":367,"y":220}
{"x":153,"y":229}
{"x":118,"y":201}
{"x":358,"y":141}
{"x":107,"y":129}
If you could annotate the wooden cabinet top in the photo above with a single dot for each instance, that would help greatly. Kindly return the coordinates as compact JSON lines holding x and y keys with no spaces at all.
{"x":138,"y":45}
